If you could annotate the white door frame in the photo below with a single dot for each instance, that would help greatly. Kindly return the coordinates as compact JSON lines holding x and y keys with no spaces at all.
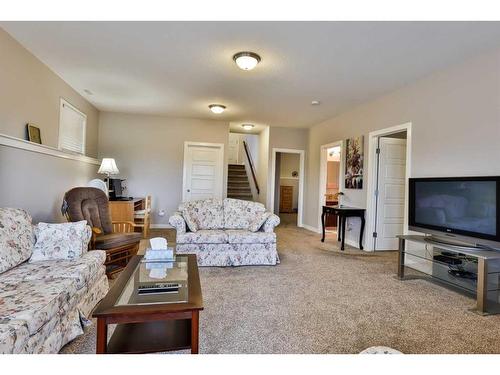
{"x":371,"y":180}
{"x":301,"y":179}
{"x":220,"y":162}
{"x":323,"y":159}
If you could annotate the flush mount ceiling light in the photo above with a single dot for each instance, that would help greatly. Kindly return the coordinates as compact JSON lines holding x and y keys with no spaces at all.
{"x":217,"y":108}
{"x":247,"y":126}
{"x":315,"y":102}
{"x":246,"y":60}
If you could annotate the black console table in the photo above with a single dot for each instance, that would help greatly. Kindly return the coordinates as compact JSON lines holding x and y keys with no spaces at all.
{"x":343,"y":213}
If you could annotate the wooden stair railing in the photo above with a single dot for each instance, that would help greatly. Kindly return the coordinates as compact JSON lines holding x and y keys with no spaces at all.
{"x":252,"y":168}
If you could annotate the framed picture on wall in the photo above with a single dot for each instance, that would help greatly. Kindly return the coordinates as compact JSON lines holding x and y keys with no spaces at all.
{"x":33,"y":133}
{"x":354,"y":163}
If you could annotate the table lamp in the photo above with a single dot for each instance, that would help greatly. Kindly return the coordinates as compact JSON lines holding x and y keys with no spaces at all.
{"x":108,"y":167}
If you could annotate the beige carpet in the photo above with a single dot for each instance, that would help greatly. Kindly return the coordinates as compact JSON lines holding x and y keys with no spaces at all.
{"x":321,"y":300}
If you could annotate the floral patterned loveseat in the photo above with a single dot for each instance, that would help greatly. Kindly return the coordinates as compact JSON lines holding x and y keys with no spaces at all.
{"x":229,"y":232}
{"x":43,"y":304}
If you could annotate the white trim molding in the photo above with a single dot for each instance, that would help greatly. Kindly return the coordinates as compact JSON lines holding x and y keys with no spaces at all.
{"x":322,"y":179}
{"x":21,"y":144}
{"x":301,"y":180}
{"x":311,"y":228}
{"x":371,"y":179}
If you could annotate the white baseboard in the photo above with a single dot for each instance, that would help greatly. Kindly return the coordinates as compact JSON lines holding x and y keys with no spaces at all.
{"x":352,"y":243}
{"x":161,"y":226}
{"x":311,"y":228}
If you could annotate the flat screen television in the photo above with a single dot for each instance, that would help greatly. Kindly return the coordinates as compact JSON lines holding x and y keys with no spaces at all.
{"x":464,"y":208}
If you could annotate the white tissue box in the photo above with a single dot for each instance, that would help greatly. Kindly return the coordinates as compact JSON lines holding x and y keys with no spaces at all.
{"x":159,"y":254}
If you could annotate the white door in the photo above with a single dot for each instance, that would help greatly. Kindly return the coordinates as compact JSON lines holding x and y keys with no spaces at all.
{"x":233,"y":148}
{"x":203,"y":171}
{"x":391,"y":193}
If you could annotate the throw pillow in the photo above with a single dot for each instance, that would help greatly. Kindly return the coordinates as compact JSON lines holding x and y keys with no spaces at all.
{"x":259,"y":220}
{"x":61,"y":241}
{"x":189,"y":220}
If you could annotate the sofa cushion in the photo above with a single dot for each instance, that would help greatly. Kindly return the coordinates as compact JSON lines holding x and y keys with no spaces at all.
{"x":34,"y":302}
{"x":259,"y":221}
{"x":239,"y":214}
{"x":16,"y":237}
{"x":203,"y":236}
{"x":112,"y":240}
{"x":13,"y":335}
{"x":203,"y":214}
{"x":245,"y":236}
{"x":61,"y":241}
{"x":81,"y":270}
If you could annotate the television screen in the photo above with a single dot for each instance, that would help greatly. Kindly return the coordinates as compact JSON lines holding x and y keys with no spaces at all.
{"x":464,"y":205}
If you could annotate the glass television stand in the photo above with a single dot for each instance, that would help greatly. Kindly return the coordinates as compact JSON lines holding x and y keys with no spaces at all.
{"x":475,"y":272}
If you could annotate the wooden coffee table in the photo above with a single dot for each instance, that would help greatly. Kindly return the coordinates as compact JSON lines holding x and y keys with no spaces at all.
{"x":154,"y":322}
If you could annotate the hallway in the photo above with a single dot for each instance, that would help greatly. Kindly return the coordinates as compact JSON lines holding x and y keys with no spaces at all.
{"x":288,"y":220}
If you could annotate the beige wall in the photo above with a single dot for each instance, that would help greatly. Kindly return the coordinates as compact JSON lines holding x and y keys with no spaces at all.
{"x":30,"y":92}
{"x":332,"y":177}
{"x":149,"y":151}
{"x":37,"y":182}
{"x":455,"y":116}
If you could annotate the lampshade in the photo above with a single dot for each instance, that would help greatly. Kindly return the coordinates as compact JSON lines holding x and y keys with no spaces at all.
{"x":108,"y":166}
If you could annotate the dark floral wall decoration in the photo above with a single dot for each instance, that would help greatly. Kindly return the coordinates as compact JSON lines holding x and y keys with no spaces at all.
{"x":354,"y":163}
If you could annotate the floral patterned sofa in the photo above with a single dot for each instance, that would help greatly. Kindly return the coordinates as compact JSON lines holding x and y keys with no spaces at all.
{"x":43,"y":304}
{"x":227,"y":232}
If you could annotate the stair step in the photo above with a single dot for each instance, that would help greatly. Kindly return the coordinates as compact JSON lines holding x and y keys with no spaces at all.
{"x":239,"y":193}
{"x":238,"y":188}
{"x":237,"y":180}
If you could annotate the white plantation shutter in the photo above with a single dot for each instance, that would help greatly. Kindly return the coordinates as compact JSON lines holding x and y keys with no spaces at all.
{"x":72,"y":126}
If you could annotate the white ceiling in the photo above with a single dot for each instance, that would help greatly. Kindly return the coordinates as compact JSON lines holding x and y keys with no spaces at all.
{"x":179,"y":68}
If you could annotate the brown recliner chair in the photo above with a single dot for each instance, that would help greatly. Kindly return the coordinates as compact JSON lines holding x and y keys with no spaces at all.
{"x":118,"y":239}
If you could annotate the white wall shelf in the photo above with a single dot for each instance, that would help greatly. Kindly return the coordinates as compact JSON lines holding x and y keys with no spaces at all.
{"x":9,"y":141}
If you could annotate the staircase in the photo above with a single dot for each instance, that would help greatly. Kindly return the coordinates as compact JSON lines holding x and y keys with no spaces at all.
{"x":238,"y":186}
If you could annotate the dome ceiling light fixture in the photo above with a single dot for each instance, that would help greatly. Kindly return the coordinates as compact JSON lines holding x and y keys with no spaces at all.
{"x":217,"y":108}
{"x":246,"y":60}
{"x":247,"y":126}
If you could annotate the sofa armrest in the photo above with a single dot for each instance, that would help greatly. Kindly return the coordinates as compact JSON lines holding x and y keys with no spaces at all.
{"x":178,"y":222}
{"x":271,"y":223}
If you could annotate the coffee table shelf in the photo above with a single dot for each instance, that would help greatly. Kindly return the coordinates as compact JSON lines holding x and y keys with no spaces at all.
{"x":151,"y":337}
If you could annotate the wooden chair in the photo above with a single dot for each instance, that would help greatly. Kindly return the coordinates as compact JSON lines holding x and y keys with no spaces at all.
{"x":142,"y":218}
{"x":117,"y":239}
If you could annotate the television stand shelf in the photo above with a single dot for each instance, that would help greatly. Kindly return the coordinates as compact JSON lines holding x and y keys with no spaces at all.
{"x":471,"y":271}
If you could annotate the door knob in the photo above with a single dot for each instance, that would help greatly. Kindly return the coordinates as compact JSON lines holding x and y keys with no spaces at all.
{"x":188,"y":190}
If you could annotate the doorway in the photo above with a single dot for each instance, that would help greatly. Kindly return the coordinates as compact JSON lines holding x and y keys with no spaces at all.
{"x":388,"y":186}
{"x":330,"y":182}
{"x":287,"y":184}
{"x":332,"y":186}
{"x":203,"y":172}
